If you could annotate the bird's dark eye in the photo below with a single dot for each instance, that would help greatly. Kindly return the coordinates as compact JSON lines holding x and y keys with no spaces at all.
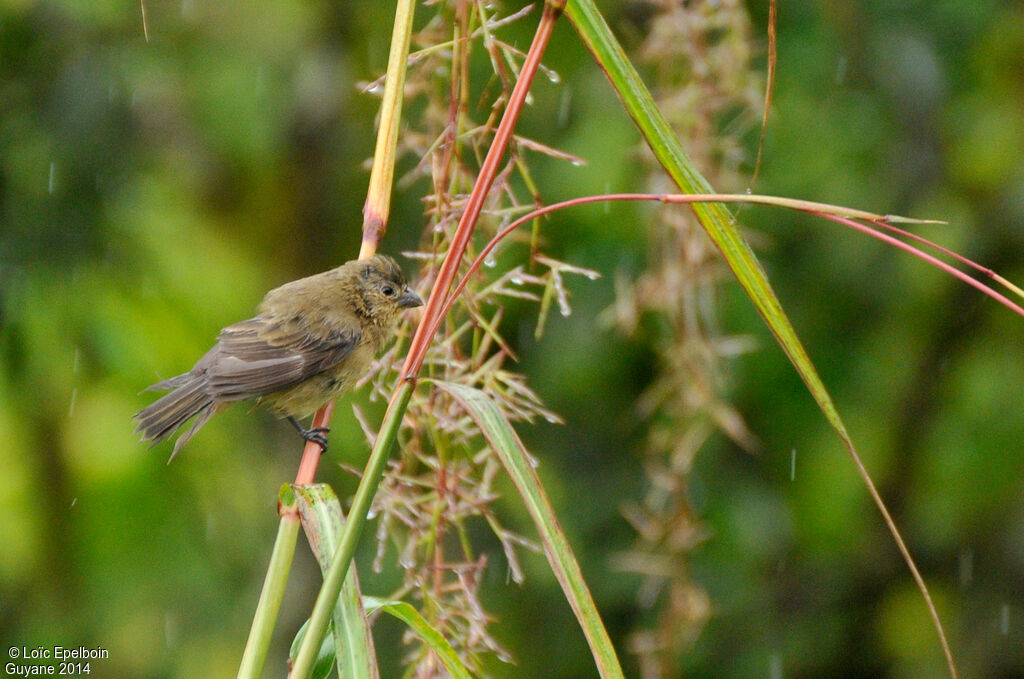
{"x":388,"y":290}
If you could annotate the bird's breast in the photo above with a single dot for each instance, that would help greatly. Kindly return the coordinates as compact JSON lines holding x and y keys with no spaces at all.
{"x":305,"y":398}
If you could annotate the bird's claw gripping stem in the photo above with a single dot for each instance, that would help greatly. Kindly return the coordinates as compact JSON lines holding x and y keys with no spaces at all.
{"x":317,"y":435}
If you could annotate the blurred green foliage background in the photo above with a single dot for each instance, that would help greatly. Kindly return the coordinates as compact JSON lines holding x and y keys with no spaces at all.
{"x":152,"y":189}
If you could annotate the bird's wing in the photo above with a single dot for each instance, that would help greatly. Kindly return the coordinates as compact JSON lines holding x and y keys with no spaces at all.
{"x":263,"y":355}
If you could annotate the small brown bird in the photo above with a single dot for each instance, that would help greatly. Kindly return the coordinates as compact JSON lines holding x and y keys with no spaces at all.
{"x":312,"y":340}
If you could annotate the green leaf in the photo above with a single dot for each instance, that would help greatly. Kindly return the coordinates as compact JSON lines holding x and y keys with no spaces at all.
{"x":323,"y":522}
{"x":418,"y":624}
{"x":714,"y":217}
{"x":517,"y":461}
{"x":324,"y":658}
{"x":721,"y":228}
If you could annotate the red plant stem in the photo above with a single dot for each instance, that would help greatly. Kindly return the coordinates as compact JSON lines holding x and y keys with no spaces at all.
{"x":946,"y":251}
{"x":312,"y":452}
{"x":891,"y":240}
{"x":433,"y":313}
{"x":727,"y":198}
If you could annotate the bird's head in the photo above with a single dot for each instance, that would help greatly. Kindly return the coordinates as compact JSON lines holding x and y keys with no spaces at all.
{"x":383,"y":288}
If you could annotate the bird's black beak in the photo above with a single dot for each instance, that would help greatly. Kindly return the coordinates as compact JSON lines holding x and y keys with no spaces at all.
{"x":409,"y":299}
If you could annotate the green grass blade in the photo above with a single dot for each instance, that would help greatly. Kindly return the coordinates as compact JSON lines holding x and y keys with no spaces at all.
{"x":721,"y":228}
{"x":418,"y":624}
{"x":322,"y":519}
{"x":503,"y":438}
{"x":714,"y":217}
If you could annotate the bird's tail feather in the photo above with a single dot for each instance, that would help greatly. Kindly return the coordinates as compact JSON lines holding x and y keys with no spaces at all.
{"x":161,"y":418}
